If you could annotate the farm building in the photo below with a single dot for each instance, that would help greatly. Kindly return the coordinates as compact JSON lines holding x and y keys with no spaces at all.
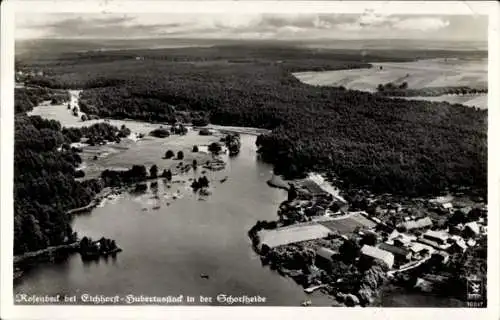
{"x":401,"y":254}
{"x":418,"y":224}
{"x":441,"y":256}
{"x":447,"y":206}
{"x":472,"y":229}
{"x":401,"y":239}
{"x":419,"y":250}
{"x":325,"y":253}
{"x":292,"y":234}
{"x":378,"y":254}
{"x":324,"y":258}
{"x":439,"y":237}
{"x":457,"y":247}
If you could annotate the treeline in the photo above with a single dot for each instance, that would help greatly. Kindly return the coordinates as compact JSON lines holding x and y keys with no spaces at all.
{"x":96,"y":133}
{"x":116,"y":178}
{"x":44,"y":187}
{"x":366,"y":140}
{"x":402,"y":90}
{"x":25,"y":99}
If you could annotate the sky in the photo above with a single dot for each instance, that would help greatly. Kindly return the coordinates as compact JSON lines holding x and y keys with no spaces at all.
{"x":368,"y":25}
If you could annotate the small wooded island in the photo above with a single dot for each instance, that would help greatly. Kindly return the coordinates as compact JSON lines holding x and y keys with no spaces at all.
{"x":90,"y":249}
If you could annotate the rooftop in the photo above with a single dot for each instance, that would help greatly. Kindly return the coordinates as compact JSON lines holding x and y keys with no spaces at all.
{"x":394,"y":249}
{"x":437,"y":234}
{"x":378,"y":254}
{"x":417,"y":224}
{"x":325,"y":253}
{"x":473,"y":226}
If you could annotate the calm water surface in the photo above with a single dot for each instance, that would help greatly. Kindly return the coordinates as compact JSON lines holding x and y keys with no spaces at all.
{"x":166,"y":250}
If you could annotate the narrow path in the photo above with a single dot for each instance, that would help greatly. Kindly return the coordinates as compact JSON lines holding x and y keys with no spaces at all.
{"x":392,"y":272}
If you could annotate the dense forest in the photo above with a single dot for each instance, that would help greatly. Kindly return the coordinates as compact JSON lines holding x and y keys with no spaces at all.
{"x":45,"y":167}
{"x":364,"y":140}
{"x":44,"y":184}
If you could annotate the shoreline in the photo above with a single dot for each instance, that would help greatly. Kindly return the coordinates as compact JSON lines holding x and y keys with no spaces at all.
{"x":278,"y":182}
{"x":47,"y":253}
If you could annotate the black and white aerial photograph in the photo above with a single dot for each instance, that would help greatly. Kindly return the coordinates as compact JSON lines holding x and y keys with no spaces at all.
{"x":250,"y":159}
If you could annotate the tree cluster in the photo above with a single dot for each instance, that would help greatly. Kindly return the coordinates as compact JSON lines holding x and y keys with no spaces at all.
{"x":160,"y":133}
{"x":202,"y":182}
{"x":44,"y":185}
{"x":115,"y":178}
{"x":96,"y":133}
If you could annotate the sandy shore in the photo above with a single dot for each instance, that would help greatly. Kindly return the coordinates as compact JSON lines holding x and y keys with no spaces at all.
{"x":277,"y":181}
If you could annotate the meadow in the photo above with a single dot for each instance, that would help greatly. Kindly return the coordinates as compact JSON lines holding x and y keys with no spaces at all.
{"x":419,"y":74}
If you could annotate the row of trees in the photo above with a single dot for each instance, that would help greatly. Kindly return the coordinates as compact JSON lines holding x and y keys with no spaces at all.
{"x":98,"y":132}
{"x":170,"y":154}
{"x":402,"y":90}
{"x":202,"y":182}
{"x":117,"y":178}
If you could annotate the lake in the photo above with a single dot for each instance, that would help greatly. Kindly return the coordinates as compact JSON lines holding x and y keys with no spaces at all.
{"x":166,"y":250}
{"x":168,"y":243}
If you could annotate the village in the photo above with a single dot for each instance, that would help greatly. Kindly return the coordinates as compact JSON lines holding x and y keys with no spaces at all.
{"x":329,"y":242}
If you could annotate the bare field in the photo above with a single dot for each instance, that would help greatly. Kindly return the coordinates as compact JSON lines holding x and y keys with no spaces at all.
{"x":293,"y":234}
{"x":418,"y":74}
{"x":348,"y":224}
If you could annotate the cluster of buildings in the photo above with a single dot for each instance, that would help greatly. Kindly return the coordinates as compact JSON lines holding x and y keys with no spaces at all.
{"x":416,"y":240}
{"x":400,"y":246}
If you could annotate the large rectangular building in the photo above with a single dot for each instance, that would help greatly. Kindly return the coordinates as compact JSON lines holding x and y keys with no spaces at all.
{"x":378,"y":254}
{"x":401,"y":254}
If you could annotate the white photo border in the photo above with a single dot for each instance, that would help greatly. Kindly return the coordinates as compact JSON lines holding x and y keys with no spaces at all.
{"x":9,"y":8}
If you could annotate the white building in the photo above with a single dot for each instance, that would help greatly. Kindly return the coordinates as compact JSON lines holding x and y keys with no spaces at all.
{"x":378,"y":254}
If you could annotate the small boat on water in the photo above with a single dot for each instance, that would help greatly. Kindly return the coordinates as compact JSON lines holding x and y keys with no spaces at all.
{"x":204,"y":276}
{"x":156,"y":207}
{"x":306,"y":303}
{"x":224,"y":180}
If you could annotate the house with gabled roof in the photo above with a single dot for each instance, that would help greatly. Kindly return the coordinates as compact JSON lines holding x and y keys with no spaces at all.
{"x":378,"y":254}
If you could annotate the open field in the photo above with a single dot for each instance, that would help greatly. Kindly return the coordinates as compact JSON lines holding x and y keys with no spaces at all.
{"x":418,"y":74}
{"x":296,"y":233}
{"x":470,"y":100}
{"x":348,"y":224}
{"x":147,"y":151}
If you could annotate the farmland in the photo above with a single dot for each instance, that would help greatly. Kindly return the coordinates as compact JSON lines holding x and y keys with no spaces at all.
{"x":348,"y":224}
{"x":293,"y":234}
{"x":420,"y":74}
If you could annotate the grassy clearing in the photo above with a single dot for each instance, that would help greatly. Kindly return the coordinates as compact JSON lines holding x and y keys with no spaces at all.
{"x":348,"y":224}
{"x":418,"y":74}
